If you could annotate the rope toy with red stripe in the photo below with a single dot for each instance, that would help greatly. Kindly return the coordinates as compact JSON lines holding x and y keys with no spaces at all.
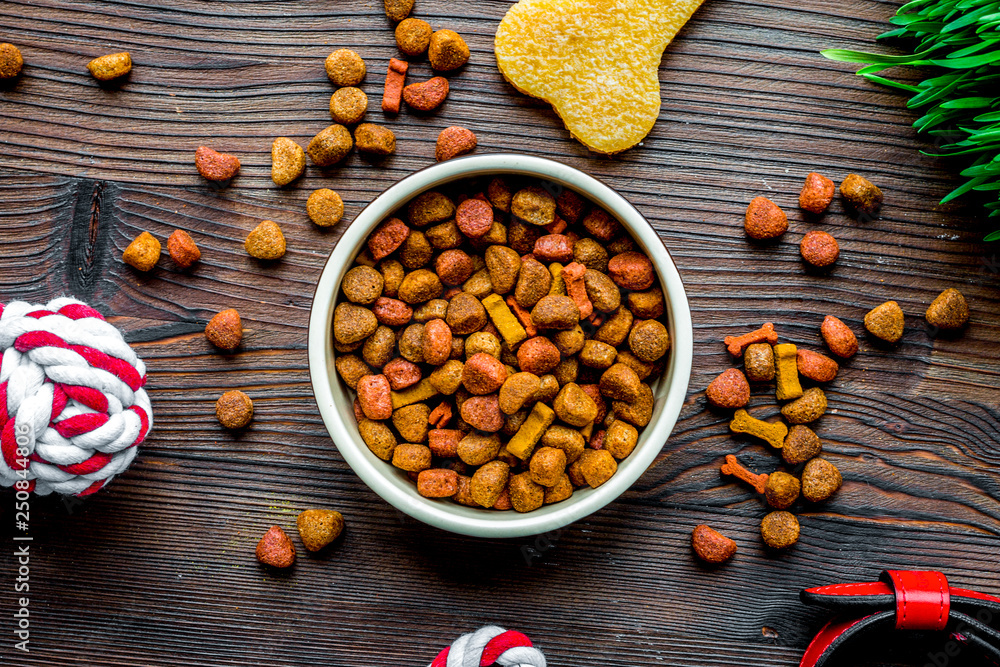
{"x":491,"y":645}
{"x":72,"y":403}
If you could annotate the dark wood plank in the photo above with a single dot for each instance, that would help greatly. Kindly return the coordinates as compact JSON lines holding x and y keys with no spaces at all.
{"x":158,"y":569}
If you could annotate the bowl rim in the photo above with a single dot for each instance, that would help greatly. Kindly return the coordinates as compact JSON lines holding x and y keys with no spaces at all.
{"x":441,"y":513}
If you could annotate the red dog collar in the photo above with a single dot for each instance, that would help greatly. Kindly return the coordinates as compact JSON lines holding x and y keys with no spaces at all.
{"x":904,"y":600}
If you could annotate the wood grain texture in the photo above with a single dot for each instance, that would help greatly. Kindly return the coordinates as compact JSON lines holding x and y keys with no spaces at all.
{"x":159,"y":569}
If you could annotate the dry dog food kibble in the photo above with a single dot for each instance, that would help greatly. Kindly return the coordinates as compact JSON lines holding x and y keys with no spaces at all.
{"x":266,"y":241}
{"x":861,"y":194}
{"x":374,"y":139}
{"x":288,"y":161}
{"x":758,"y":362}
{"x":215,"y":166}
{"x":817,"y":193}
{"x":447,"y":51}
{"x":348,"y":105}
{"x":183,"y":249}
{"x":143,"y":252}
{"x":712,"y":546}
{"x":801,"y":444}
{"x":397,"y":10}
{"x":110,"y":67}
{"x":820,"y":480}
{"x":948,"y":311}
{"x":773,"y":433}
{"x":454,"y":141}
{"x":413,"y":36}
{"x":476,"y":369}
{"x":780,"y":530}
{"x":839,"y":337}
{"x":426,"y":96}
{"x":11,"y":61}
{"x":782,"y":490}
{"x":819,"y":248}
{"x":885,"y":321}
{"x":807,"y":408}
{"x":815,"y":366}
{"x":729,"y":390}
{"x":234,"y":409}
{"x":345,"y":67}
{"x":325,"y":207}
{"x":225,"y":330}
{"x":330,"y":146}
{"x":764,"y":220}
{"x":786,"y":372}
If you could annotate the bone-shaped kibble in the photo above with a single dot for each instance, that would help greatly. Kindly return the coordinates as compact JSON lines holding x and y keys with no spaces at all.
{"x":733,"y":467}
{"x":737,"y":344}
{"x":773,"y":433}
{"x":440,"y":416}
{"x":523,"y":316}
{"x":572,"y":275}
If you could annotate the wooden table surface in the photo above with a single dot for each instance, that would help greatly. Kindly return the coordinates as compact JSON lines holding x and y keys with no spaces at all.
{"x":158,"y":569}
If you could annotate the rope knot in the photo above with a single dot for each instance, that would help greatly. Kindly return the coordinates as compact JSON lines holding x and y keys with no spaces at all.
{"x":72,"y":403}
{"x":491,"y":645}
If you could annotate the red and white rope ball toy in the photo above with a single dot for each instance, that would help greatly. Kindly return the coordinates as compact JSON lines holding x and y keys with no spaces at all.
{"x":72,"y":404}
{"x":490,"y":645}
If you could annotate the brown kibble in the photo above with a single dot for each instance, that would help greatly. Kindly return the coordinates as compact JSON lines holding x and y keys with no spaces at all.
{"x":447,"y":51}
{"x":397,"y":10}
{"x":648,"y":305}
{"x":345,"y":67}
{"x":640,"y":411}
{"x":886,"y":322}
{"x":574,"y":406}
{"x":413,"y":36}
{"x":266,"y":241}
{"x":801,"y":445}
{"x":288,"y":161}
{"x":276,"y":549}
{"x":820,"y":480}
{"x":429,"y":208}
{"x":395,"y":79}
{"x":474,"y":218}
{"x":330,"y":146}
{"x":861,"y":194}
{"x":392,"y":312}
{"x":632,"y":271}
{"x":411,"y":457}
{"x":426,"y":96}
{"x":649,"y":340}
{"x":499,"y":193}
{"x":325,"y":207}
{"x":348,"y":105}
{"x":547,"y":466}
{"x":601,"y":225}
{"x":817,"y":193}
{"x":779,"y":530}
{"x":758,"y":362}
{"x":183,"y":249}
{"x":737,"y":344}
{"x":351,"y":368}
{"x":815,"y":366}
{"x":318,"y":528}
{"x":839,"y":337}
{"x":488,"y":482}
{"x":453,"y":267}
{"x":554,"y":248}
{"x":466,"y":314}
{"x":437,"y":483}
{"x":375,"y":139}
{"x":143,"y":252}
{"x":11,"y":61}
{"x":782,"y":490}
{"x":729,"y":390}
{"x":110,"y":67}
{"x":620,"y":439}
{"x":412,"y":422}
{"x":819,"y":248}
{"x":225,"y":330}
{"x":454,"y":141}
{"x":234,"y":409}
{"x":215,"y":166}
{"x":352,"y":324}
{"x":597,"y":466}
{"x":711,"y":546}
{"x":807,"y":408}
{"x":525,"y":494}
{"x":535,"y":206}
{"x":555,"y":312}
{"x":948,"y":311}
{"x":764,"y":220}
{"x":444,"y":442}
{"x":620,"y":383}
{"x":362,"y":284}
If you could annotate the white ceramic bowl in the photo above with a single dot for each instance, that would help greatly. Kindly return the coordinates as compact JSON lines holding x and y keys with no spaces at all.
{"x":336,"y":401}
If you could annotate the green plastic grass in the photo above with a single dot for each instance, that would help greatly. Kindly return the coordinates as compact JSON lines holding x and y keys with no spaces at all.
{"x":957,"y":42}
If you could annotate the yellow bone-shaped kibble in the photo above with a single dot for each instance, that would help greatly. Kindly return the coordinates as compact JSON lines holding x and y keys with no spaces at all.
{"x":415,"y":394}
{"x":595,"y":61}
{"x":773,"y":433}
{"x":786,"y":372}
{"x":524,"y":441}
{"x":504,"y":320}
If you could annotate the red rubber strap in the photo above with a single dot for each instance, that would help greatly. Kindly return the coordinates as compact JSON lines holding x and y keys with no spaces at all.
{"x":923,"y":600}
{"x":823,"y":640}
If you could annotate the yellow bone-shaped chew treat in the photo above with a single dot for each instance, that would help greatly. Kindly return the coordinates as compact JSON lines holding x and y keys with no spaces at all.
{"x":504,"y":320}
{"x":786,"y":372}
{"x":595,"y":61}
{"x":524,"y":441}
{"x":415,"y":394}
{"x":558,"y":284}
{"x":773,"y":433}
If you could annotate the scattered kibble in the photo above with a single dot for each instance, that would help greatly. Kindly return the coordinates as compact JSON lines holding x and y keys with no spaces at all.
{"x":817,"y":193}
{"x":215,"y":166}
{"x":318,"y":528}
{"x":225,"y":329}
{"x":886,"y":321}
{"x":786,"y":372}
{"x":330,"y":146}
{"x":454,"y":141}
{"x":413,"y":36}
{"x":397,"y":10}
{"x":325,"y":207}
{"x":266,"y":241}
{"x":345,"y":68}
{"x":712,"y":546}
{"x":348,"y":105}
{"x":782,"y":490}
{"x":780,"y":529}
{"x":234,"y":409}
{"x":447,"y":51}
{"x":820,"y":480}
{"x":733,"y":467}
{"x":143,"y":252}
{"x":861,"y":194}
{"x":288,"y":161}
{"x":801,"y":445}
{"x":764,"y":220}
{"x":426,"y":96}
{"x":110,"y":67}
{"x":839,"y":337}
{"x":807,"y":408}
{"x":11,"y":61}
{"x":737,"y":344}
{"x":729,"y":390}
{"x":815,"y":366}
{"x":183,"y":250}
{"x":276,"y":549}
{"x":758,"y":362}
{"x":948,"y":311}
{"x":819,"y":248}
{"x":771,"y":432}
{"x":395,"y":80}
{"x":375,"y":139}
